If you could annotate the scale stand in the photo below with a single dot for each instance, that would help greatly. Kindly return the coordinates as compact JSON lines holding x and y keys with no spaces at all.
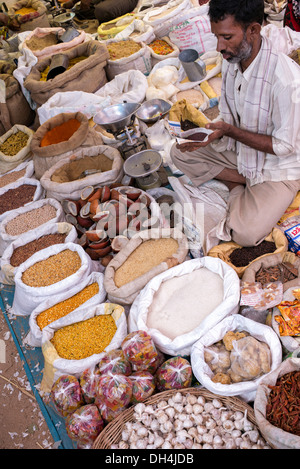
{"x":143,"y":166}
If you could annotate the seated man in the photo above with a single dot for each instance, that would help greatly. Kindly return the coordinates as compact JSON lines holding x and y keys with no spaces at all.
{"x":255,"y":146}
{"x":102,"y":10}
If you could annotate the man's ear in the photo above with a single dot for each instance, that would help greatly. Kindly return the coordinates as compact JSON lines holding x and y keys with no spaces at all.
{"x":253,"y":31}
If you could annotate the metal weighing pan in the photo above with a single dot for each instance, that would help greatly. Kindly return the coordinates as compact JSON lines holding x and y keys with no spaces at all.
{"x":116,"y":117}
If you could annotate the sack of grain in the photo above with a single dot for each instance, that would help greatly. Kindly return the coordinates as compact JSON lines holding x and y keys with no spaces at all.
{"x":35,"y":215}
{"x":148,"y":253}
{"x":88,"y":73}
{"x":111,"y":28}
{"x":23,"y":170}
{"x":19,"y":147}
{"x":129,"y":86}
{"x":19,"y":194}
{"x":65,"y":181}
{"x":30,"y":14}
{"x":82,"y":137}
{"x":88,"y":293}
{"x":159,"y":15}
{"x":139,"y":60}
{"x":181,"y":304}
{"x":44,"y":42}
{"x":246,"y":388}
{"x":55,"y":365}
{"x":9,"y":265}
{"x":44,"y":280}
{"x":157,"y":56}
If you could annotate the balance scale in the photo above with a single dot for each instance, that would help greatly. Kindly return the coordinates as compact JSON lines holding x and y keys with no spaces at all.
{"x":143,"y":167}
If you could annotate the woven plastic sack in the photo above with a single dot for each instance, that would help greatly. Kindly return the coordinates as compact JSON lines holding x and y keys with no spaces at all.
{"x":38,"y":194}
{"x":140,"y":60}
{"x":9,"y":162}
{"x":111,"y":28}
{"x":24,"y":170}
{"x":129,"y":86}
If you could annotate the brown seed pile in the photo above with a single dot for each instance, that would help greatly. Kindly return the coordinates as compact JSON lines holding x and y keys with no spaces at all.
{"x":30,"y":220}
{"x":66,"y":306}
{"x":17,"y":197}
{"x":11,"y":177}
{"x":22,"y":253}
{"x":14,"y":143}
{"x":84,"y":338}
{"x":53,"y":269}
{"x":241,"y":257}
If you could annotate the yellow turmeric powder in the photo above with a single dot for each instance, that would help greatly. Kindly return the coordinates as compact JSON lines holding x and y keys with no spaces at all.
{"x":60,"y":133}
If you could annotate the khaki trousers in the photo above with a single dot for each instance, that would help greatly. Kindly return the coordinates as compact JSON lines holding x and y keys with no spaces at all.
{"x":253,"y":211}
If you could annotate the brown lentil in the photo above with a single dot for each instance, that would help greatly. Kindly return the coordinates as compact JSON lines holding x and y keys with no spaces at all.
{"x":17,"y":197}
{"x":14,"y":143}
{"x":30,"y":220}
{"x":53,"y":269}
{"x":11,"y":177}
{"x":84,"y":338}
{"x":22,"y":253}
{"x":146,"y":256}
{"x":66,"y":306}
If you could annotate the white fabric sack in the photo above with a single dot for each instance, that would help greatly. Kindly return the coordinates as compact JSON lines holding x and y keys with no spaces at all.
{"x":155,"y":58}
{"x":245,"y":390}
{"x":72,"y":190}
{"x":129,"y":86}
{"x":283,"y":39}
{"x":26,"y":298}
{"x":160,"y":15}
{"x":7,"y":272}
{"x":8,"y":162}
{"x":290,"y":343}
{"x":182,"y":344}
{"x":278,"y":438}
{"x":34,"y":336}
{"x":26,"y":165}
{"x":25,"y":63}
{"x":6,"y":239}
{"x":140,"y":60}
{"x":140,"y":32}
{"x":72,"y":101}
{"x":39,"y":192}
{"x":56,"y":366}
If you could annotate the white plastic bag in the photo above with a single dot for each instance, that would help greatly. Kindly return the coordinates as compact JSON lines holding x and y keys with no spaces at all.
{"x":129,"y":86}
{"x":290,"y":343}
{"x":7,"y":272}
{"x":34,"y":336}
{"x":26,"y":298}
{"x":245,"y":390}
{"x":39,"y":192}
{"x":56,"y":366}
{"x":182,"y":344}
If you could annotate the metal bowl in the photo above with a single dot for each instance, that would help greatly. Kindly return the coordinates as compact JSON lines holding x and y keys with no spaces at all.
{"x":116,"y":117}
{"x":143,"y":163}
{"x":152,"y":110}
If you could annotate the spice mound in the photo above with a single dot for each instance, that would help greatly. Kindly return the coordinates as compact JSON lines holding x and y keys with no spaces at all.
{"x":39,"y":43}
{"x":241,"y":257}
{"x":118,"y":50}
{"x":66,"y":306}
{"x":30,"y":220}
{"x":146,"y":256}
{"x":60,"y":133}
{"x":85,"y":338}
{"x":22,"y":253}
{"x":52,"y":270}
{"x":16,"y":198}
{"x":14,"y":143}
{"x":75,"y":169}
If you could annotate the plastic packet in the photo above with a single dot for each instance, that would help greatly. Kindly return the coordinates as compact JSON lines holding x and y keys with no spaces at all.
{"x":89,"y":382}
{"x":153,"y":364}
{"x":138,"y":347}
{"x":217,"y":358}
{"x":250,"y":358}
{"x":115,"y":390}
{"x":174,"y":373}
{"x":143,"y":386}
{"x":66,"y":395}
{"x":261,"y":297}
{"x":115,"y":362}
{"x":85,"y":424}
{"x":106,"y":412}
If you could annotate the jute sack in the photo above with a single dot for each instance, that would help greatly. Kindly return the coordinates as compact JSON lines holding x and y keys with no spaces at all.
{"x":72,"y":189}
{"x":271,"y":261}
{"x":31,"y":20}
{"x":87,"y":75}
{"x":224,"y":250}
{"x":14,"y":101}
{"x":127,"y":293}
{"x":45,"y":157}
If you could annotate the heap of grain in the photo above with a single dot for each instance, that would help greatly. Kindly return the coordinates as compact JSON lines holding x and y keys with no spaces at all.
{"x":118,"y":50}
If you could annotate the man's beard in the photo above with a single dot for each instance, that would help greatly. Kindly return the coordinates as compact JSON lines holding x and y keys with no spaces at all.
{"x":243,"y":53}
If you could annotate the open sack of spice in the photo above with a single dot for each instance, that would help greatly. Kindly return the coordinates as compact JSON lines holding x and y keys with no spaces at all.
{"x":181,"y":304}
{"x":234,"y":355}
{"x":79,"y":340}
{"x":15,"y":147}
{"x":285,"y":319}
{"x":47,"y":273}
{"x":277,"y":405}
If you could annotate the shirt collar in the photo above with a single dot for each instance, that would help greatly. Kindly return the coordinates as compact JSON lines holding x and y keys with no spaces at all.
{"x":248,"y":72}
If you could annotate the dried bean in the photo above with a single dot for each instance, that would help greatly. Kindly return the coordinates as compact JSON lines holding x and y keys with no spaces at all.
{"x":22,"y":253}
{"x":30,"y":220}
{"x":17,"y":197}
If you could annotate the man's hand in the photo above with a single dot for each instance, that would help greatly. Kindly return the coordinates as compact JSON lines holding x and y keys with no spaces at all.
{"x":219,"y":130}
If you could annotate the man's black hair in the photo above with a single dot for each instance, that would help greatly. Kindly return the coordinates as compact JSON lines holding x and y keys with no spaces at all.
{"x":243,"y":11}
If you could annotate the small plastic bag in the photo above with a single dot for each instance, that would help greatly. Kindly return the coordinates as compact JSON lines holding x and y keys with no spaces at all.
{"x":152,"y":366}
{"x":261,"y":297}
{"x":106,"y":412}
{"x":66,"y":395}
{"x":89,"y":382}
{"x":139,"y":348}
{"x":115,"y":390}
{"x":217,"y":357}
{"x":250,"y":358}
{"x":143,"y":386}
{"x":85,"y":424}
{"x":114,"y":362}
{"x":174,"y":373}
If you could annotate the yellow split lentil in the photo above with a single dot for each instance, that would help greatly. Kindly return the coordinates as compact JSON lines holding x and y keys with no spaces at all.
{"x":66,"y":306}
{"x":53,"y":269}
{"x":85,"y":338}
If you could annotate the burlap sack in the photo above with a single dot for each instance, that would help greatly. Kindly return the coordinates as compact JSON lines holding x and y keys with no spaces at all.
{"x":88,"y":75}
{"x":14,"y":101}
{"x":29,"y":22}
{"x":127,"y":293}
{"x":224,"y":250}
{"x":45,"y":157}
{"x":270,"y":261}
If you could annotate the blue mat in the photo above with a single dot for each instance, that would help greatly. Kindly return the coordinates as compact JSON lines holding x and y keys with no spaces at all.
{"x":33,"y":362}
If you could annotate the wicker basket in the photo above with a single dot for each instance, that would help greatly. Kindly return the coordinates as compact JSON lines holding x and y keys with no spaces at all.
{"x":112,"y":432}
